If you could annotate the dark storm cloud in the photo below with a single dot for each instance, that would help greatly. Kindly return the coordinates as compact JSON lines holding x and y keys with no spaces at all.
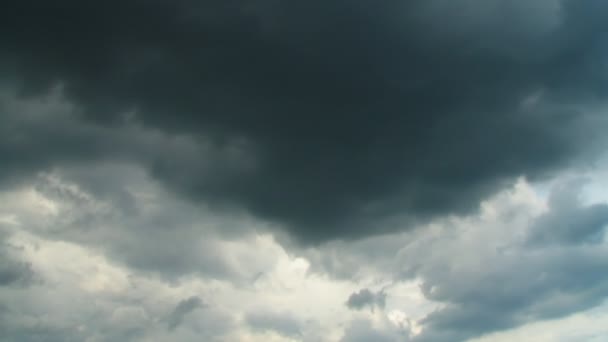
{"x":352,"y":110}
{"x":366,"y":298}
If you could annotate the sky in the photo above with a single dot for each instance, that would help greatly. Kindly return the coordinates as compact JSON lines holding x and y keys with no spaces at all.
{"x":340,"y":171}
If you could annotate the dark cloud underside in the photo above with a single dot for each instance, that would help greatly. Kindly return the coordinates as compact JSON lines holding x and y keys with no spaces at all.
{"x":352,"y":110}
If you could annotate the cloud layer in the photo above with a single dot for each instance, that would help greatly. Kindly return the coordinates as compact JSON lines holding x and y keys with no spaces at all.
{"x":229,"y":170}
{"x":455,"y":280}
{"x":330,"y":118}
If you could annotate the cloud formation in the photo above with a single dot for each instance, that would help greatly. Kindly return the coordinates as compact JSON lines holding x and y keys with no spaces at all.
{"x":229,"y":170}
{"x":366,"y":298}
{"x":511,"y":283}
{"x":569,"y":222}
{"x":364,"y":331}
{"x":182,"y":309}
{"x":283,"y":323}
{"x":521,"y":260}
{"x":330,"y":118}
{"x":455,"y":280}
{"x":13,"y":271}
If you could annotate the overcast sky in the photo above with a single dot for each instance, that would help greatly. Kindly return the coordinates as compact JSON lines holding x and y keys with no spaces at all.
{"x":321,"y":170}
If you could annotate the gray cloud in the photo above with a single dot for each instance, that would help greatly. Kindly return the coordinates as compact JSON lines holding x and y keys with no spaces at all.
{"x":366,"y":298}
{"x":569,"y":221}
{"x":280,"y":322}
{"x":159,"y":233}
{"x":138,"y":310}
{"x":508,"y":283}
{"x":515,"y":263}
{"x":13,"y":272}
{"x":486,"y":271}
{"x":182,"y":309}
{"x":526,"y":289}
{"x":363,"y":331}
{"x":326,"y":117}
{"x":36,"y":334}
{"x":45,"y":133}
{"x":165,"y":135}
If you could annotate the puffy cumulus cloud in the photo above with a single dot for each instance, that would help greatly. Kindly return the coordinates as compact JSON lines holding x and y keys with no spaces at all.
{"x":523,"y":259}
{"x":135,"y":306}
{"x":117,"y":209}
{"x":509,"y":283}
{"x":87,"y":289}
{"x":333,"y":119}
{"x":84,"y":297}
{"x":458,"y":279}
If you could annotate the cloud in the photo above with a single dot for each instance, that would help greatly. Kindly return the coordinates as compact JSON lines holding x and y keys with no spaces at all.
{"x":119,"y":210}
{"x":455,"y":280}
{"x":521,"y":259}
{"x":490,"y":278}
{"x":139,"y":304}
{"x":282,"y":323}
{"x":584,"y":326}
{"x":569,"y":221}
{"x":129,"y":306}
{"x":85,"y":249}
{"x":364,"y":331}
{"x":182,"y":309}
{"x":283,"y":160}
{"x":366,"y":298}
{"x":13,"y":270}
{"x":334,"y":120}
